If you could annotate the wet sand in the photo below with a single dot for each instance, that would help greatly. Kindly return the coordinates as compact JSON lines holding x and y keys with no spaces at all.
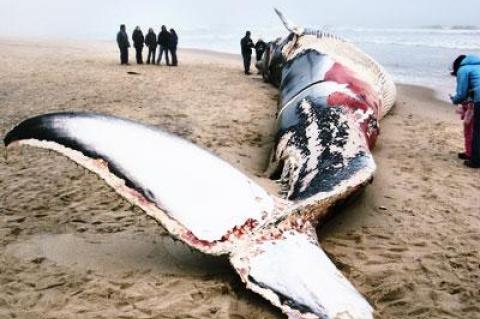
{"x":72,"y":248}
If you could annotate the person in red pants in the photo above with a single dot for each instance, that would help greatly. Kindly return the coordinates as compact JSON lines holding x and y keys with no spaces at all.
{"x":465,"y":110}
{"x":466,"y":68}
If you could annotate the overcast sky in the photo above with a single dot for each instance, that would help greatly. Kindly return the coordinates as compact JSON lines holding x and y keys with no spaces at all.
{"x":97,"y":18}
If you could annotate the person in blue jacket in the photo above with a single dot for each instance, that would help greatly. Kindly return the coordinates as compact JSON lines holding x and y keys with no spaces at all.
{"x":467,"y":70}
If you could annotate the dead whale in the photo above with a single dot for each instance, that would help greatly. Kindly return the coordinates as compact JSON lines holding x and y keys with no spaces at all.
{"x":332,"y":96}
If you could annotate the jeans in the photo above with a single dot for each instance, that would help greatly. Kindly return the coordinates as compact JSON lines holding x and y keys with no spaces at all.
{"x":151,"y":55}
{"x":139,"y":55}
{"x":163,"y":49}
{"x":247,"y":60}
{"x":173,"y":54}
{"x":124,"y":55}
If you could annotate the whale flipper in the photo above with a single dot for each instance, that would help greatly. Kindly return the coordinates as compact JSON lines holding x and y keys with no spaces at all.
{"x":289,"y":25}
{"x":198,"y":197}
{"x":294,"y":274}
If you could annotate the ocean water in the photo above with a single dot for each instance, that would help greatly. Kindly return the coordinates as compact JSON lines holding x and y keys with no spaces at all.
{"x":421,"y":56}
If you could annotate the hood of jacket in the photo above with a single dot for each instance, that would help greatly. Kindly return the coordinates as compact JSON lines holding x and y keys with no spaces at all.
{"x":471,"y":60}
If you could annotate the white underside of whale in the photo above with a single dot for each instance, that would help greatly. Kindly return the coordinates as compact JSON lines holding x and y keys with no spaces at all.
{"x":315,"y":281}
{"x":183,"y":179}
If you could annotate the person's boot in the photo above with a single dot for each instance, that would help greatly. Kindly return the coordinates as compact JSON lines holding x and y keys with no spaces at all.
{"x":471,"y":164}
{"x":463,"y":156}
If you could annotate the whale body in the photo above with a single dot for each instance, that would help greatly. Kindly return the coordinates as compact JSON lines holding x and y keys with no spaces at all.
{"x":332,"y":96}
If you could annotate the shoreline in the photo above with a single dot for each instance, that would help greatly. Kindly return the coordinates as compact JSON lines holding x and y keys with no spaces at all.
{"x":71,"y":247}
{"x":440,"y":94}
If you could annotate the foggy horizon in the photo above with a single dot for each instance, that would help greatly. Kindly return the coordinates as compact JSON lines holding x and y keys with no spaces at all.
{"x":99,"y":20}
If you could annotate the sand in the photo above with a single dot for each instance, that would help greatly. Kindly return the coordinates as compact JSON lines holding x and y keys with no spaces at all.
{"x":72,"y":248}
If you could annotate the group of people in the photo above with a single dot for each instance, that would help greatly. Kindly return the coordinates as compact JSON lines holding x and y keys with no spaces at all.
{"x":246,"y":45}
{"x":466,"y":68}
{"x":166,"y":41}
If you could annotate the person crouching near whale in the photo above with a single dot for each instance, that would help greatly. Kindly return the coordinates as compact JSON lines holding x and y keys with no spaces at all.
{"x":151,"y":43}
{"x":466,"y":68}
{"x":465,"y":110}
{"x":138,"y":41}
{"x":123,"y":44}
{"x":260,"y":48}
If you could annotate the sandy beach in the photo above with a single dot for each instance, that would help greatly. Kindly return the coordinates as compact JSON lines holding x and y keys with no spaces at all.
{"x":70,"y":247}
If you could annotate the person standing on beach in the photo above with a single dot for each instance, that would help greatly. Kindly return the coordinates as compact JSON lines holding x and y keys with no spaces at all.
{"x":151,"y":43}
{"x":260,"y":48}
{"x":246,"y":45}
{"x":123,"y":44}
{"x":467,"y":70}
{"x":138,"y":41}
{"x":173,"y":46}
{"x":163,"y":43}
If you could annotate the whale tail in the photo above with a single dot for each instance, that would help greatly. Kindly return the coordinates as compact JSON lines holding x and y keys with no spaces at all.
{"x":294,"y":273}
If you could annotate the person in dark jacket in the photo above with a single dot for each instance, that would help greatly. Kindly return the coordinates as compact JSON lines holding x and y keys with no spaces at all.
{"x":246,"y":45}
{"x":173,"y":46}
{"x":123,"y":44}
{"x":466,"y":68}
{"x":260,"y":48}
{"x":151,"y":43}
{"x":138,"y":41}
{"x":163,"y":43}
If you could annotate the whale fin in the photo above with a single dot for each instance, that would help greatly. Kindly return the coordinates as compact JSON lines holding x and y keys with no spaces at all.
{"x":198,"y":197}
{"x":293,"y":273}
{"x":289,"y":25}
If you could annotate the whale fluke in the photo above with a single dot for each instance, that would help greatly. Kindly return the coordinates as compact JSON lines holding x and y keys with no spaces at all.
{"x":294,"y":274}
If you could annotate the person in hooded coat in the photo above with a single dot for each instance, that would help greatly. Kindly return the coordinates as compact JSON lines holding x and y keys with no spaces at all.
{"x":138,"y":41}
{"x":151,"y":43}
{"x":467,"y":70}
{"x":260,"y":48}
{"x":246,"y":45}
{"x":172,"y":47}
{"x":163,"y":43}
{"x":123,"y":44}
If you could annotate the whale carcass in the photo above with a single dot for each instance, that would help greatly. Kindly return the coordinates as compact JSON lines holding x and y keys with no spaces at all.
{"x":332,"y":96}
